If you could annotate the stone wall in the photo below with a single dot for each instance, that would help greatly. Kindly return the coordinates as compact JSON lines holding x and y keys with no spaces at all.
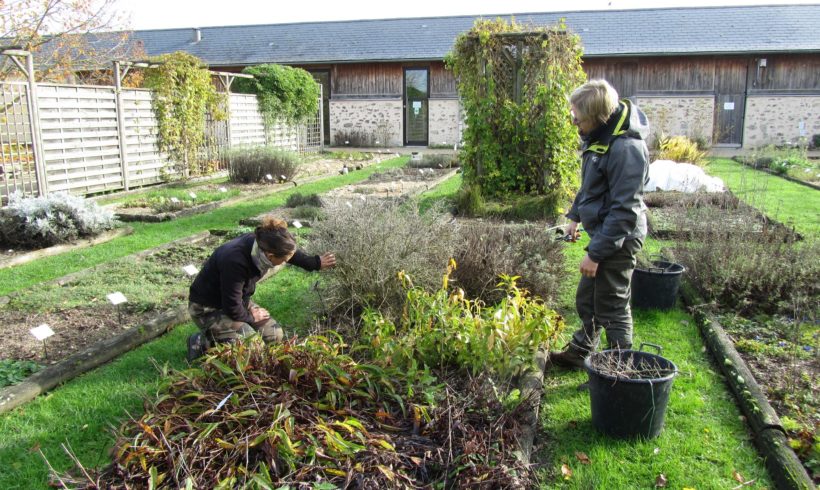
{"x":366,"y":123}
{"x":780,"y":120}
{"x":444,"y":122}
{"x":679,"y":116}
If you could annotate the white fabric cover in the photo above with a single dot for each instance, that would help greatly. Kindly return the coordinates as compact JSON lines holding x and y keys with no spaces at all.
{"x":666,"y":175}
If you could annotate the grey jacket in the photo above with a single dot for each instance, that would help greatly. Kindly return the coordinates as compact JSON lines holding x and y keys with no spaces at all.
{"x":614,"y":171}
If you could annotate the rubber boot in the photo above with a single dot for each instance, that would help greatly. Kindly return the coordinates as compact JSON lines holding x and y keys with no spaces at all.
{"x":570,"y":358}
{"x":197,"y":346}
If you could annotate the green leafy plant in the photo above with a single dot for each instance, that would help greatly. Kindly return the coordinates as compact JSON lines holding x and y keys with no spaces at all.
{"x":297,"y":199}
{"x":681,"y":149}
{"x":38,"y":222}
{"x":518,"y":138}
{"x":285,"y":93}
{"x":182,"y":96}
{"x":254,"y":164}
{"x":13,"y":372}
{"x":445,"y":327}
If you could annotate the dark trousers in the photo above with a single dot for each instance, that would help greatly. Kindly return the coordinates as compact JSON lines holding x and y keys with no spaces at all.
{"x":602,"y":301}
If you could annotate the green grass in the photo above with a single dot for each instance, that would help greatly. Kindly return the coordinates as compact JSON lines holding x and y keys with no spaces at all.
{"x":82,"y":412}
{"x":788,"y":202}
{"x":703,"y":440}
{"x":444,"y":193}
{"x":149,"y":235}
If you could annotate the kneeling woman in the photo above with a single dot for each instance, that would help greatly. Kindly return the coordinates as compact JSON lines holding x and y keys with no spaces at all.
{"x":220,"y":297}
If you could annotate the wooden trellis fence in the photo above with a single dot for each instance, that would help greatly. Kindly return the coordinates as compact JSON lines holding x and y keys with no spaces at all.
{"x":90,"y":139}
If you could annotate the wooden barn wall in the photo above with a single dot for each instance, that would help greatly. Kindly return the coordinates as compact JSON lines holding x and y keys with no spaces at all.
{"x":442,"y":81}
{"x":784,"y":73}
{"x":708,"y":74}
{"x":362,"y":80}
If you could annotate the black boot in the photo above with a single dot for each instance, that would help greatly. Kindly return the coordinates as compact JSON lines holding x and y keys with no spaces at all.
{"x":197,"y":346}
{"x":570,"y":358}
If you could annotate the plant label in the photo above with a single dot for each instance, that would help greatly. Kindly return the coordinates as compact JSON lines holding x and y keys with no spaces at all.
{"x":192,"y":194}
{"x":223,"y":402}
{"x":269,"y":177}
{"x":297,"y":224}
{"x":364,"y":199}
{"x":175,"y":200}
{"x":191,"y":270}
{"x":283,"y":178}
{"x":349,"y":205}
{"x":117,"y":298}
{"x":222,"y":189}
{"x":42,"y":332}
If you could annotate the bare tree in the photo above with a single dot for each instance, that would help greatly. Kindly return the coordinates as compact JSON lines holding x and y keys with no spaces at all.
{"x":72,"y":40}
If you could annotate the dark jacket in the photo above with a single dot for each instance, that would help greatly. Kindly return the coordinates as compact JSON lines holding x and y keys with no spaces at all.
{"x":228,"y":279}
{"x":614,"y":171}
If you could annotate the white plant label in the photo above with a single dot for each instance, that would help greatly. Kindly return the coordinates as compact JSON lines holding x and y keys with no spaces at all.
{"x":42,"y":332}
{"x":174,"y":200}
{"x":222,"y":189}
{"x":297,"y":224}
{"x":191,"y":270}
{"x":223,"y":402}
{"x":349,"y":205}
{"x":192,"y":194}
{"x":117,"y":298}
{"x":283,"y":178}
{"x":269,"y":176}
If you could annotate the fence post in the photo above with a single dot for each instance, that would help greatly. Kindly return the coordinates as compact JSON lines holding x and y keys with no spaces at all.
{"x":321,"y":119}
{"x":36,"y":137}
{"x":121,"y":126}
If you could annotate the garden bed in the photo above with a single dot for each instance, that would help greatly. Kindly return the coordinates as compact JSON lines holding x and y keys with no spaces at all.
{"x":223,"y":193}
{"x":78,"y":312}
{"x":10,"y":257}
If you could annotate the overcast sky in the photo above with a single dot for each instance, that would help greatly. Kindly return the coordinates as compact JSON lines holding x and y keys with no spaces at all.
{"x":162,"y":14}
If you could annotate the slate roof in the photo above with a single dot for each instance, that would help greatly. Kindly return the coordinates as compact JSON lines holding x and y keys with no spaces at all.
{"x":641,"y":32}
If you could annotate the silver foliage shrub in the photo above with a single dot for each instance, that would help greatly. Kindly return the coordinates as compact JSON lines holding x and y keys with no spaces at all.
{"x":251,"y":164}
{"x":38,"y":222}
{"x":373,"y":241}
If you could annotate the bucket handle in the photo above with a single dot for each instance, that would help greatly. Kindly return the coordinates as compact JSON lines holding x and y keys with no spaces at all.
{"x":657,"y":348}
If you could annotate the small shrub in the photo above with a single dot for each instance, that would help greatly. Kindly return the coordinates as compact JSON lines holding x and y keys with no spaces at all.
{"x":373,"y":242}
{"x":311,"y":213}
{"x":39,"y":222}
{"x":355,"y":156}
{"x":487,"y":251}
{"x":681,"y":149}
{"x":446,"y":328}
{"x":435,"y":160}
{"x":252,"y":164}
{"x":296,"y":200}
{"x":469,"y":200}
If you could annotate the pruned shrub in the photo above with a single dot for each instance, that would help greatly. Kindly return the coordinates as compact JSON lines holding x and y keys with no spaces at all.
{"x":38,"y":222}
{"x":296,"y":200}
{"x":681,"y":149}
{"x":373,"y":242}
{"x":488,"y":250}
{"x":253,"y":164}
{"x":311,"y":213}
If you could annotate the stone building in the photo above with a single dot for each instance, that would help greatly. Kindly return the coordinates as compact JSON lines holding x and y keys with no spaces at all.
{"x":742,"y":76}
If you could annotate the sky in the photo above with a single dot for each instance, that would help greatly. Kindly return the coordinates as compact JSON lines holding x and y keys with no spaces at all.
{"x":164,"y":14}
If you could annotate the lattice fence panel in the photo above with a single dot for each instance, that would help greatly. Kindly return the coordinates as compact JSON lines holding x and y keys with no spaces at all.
{"x":145,"y":161}
{"x":17,"y":169}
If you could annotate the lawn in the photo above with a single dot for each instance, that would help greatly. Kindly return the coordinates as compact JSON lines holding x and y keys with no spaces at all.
{"x":788,"y":202}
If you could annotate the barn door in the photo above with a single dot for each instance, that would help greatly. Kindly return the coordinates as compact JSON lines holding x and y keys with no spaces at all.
{"x":730,"y":101}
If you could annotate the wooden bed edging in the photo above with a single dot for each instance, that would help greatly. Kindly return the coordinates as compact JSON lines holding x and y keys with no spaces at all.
{"x":93,"y":356}
{"x":65,"y":247}
{"x":785,"y":468}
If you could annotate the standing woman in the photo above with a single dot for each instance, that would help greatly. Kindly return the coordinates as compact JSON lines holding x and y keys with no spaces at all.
{"x":610,"y":205}
{"x":220,"y":297}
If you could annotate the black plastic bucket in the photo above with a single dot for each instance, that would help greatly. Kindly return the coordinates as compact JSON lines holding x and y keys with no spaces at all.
{"x":626,"y":408}
{"x":656,"y":286}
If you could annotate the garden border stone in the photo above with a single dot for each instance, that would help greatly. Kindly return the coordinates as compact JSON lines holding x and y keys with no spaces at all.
{"x":65,"y":247}
{"x":784,"y":466}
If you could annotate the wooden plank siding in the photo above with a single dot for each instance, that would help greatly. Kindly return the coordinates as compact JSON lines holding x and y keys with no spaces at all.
{"x":442,"y":82}
{"x":366,"y":80}
{"x":784,"y":73}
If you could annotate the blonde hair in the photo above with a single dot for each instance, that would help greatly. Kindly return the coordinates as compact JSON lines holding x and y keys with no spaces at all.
{"x":596,"y":100}
{"x":273,"y":236}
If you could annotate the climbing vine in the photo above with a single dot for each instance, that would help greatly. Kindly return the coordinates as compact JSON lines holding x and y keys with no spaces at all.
{"x":285,"y":94}
{"x":514,"y":85}
{"x":182,"y":96}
